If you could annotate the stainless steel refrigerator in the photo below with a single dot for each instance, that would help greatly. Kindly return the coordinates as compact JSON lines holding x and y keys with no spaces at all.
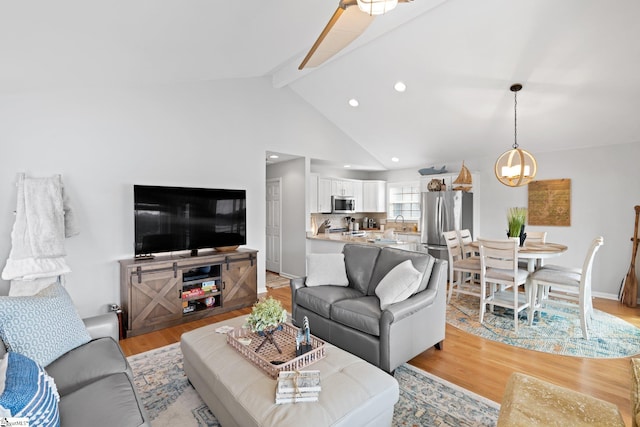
{"x":444,"y":211}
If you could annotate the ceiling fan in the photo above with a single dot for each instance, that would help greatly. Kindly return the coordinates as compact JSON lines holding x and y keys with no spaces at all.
{"x":346,"y":24}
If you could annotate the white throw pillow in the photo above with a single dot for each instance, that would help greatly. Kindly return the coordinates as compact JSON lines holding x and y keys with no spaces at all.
{"x":399,"y":284}
{"x":326,"y":269}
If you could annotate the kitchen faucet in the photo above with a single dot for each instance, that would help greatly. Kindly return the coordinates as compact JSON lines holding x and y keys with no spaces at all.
{"x":396,"y":220}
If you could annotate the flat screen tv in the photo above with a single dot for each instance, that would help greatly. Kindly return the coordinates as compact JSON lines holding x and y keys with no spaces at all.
{"x":169,"y":219}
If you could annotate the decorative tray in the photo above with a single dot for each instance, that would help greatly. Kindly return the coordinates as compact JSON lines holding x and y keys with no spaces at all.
{"x":268,"y":358}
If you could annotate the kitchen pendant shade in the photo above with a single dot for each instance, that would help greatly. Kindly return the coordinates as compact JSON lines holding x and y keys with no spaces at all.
{"x":377,"y":7}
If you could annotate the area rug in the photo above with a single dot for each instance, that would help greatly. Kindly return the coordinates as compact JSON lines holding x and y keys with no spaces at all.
{"x":425,"y":400}
{"x":610,"y":336}
{"x":274,"y":281}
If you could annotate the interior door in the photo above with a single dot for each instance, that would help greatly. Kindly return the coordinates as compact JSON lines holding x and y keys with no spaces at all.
{"x":273,"y":231}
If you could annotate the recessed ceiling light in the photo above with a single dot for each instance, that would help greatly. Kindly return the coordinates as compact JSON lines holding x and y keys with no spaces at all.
{"x":347,"y":166}
{"x":395,"y":159}
{"x":400,"y":86}
{"x":273,"y":156}
{"x":354,"y":102}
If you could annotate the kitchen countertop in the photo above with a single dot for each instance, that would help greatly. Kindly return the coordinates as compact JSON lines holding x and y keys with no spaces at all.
{"x":367,"y":239}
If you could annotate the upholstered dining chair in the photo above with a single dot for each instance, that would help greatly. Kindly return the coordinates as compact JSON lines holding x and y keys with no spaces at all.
{"x":461,"y":269}
{"x":499,"y":268}
{"x":556,"y":287}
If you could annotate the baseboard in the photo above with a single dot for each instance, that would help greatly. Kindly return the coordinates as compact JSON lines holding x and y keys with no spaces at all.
{"x":604,"y":295}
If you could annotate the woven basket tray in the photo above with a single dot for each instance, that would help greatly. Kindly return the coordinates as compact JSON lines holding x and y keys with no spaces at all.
{"x":286,"y":339}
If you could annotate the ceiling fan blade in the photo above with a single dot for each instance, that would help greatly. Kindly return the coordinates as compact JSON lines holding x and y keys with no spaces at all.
{"x":346,"y":24}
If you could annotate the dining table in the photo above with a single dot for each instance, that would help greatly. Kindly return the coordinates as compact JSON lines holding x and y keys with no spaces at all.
{"x":533,"y":251}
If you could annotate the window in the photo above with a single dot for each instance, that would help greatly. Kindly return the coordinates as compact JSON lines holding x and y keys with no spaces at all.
{"x":404,"y":199}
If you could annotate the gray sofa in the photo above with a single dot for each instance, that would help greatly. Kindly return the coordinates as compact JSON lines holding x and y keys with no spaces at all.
{"x":350,"y":317}
{"x":95,"y":381}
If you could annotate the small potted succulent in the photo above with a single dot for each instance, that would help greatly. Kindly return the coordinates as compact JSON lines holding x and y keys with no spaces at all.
{"x":267,"y":315}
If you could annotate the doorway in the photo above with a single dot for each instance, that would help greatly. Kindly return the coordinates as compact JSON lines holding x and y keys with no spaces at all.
{"x":273,"y":225}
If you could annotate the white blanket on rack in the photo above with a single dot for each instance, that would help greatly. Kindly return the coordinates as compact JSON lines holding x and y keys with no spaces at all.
{"x":38,"y":233}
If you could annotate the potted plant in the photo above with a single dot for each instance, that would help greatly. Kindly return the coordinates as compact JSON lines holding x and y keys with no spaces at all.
{"x":516,"y":217}
{"x":266,"y":315}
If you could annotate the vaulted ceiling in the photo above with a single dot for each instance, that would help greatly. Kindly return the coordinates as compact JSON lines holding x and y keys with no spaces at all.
{"x":578,"y":60}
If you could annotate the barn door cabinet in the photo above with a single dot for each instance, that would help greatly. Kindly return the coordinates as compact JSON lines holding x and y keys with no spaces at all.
{"x":169,"y":290}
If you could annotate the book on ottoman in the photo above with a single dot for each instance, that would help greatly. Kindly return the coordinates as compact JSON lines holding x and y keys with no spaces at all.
{"x":298,"y":386}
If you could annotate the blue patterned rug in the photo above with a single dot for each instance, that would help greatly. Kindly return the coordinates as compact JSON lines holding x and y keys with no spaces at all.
{"x":425,"y":400}
{"x":610,"y":336}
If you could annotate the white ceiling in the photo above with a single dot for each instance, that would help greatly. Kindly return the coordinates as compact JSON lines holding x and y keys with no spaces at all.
{"x":579,"y":62}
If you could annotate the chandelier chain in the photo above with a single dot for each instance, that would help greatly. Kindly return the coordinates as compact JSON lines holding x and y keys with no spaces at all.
{"x":515,"y":120}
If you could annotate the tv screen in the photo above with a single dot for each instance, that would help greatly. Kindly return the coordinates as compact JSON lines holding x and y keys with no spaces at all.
{"x":171,"y":219}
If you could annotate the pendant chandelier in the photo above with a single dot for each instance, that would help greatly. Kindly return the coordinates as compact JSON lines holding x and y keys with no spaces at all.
{"x":516,"y":167}
{"x":376,"y":7}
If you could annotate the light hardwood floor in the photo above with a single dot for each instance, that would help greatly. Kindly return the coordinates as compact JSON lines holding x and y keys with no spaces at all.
{"x":476,"y":364}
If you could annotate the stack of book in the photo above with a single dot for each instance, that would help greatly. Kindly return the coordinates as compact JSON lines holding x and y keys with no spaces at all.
{"x":297,"y":386}
{"x":209,"y":286}
{"x":188,"y":293}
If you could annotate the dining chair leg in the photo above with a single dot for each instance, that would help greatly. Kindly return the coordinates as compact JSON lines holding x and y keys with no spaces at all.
{"x":585,"y":317}
{"x":515,"y":310}
{"x":532,"y":303}
{"x":483,"y":301}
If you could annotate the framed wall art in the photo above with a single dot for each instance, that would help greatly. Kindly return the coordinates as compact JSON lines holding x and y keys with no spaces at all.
{"x":550,"y":202}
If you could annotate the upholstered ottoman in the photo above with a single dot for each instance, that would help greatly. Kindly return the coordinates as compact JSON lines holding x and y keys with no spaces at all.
{"x":529,"y":401}
{"x":354,"y":392}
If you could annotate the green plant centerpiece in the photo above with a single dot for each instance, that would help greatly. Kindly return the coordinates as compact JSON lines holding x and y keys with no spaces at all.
{"x":516,"y":218}
{"x":266,"y":317}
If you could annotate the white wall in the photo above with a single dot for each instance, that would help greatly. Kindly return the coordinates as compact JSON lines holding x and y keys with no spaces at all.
{"x":102,"y":141}
{"x":605,"y":187}
{"x":215,"y":134}
{"x":293,"y":224}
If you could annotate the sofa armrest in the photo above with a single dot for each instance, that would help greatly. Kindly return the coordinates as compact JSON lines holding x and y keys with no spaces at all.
{"x":437,"y":284}
{"x":295,"y":284}
{"x":103,"y":325}
{"x":402,"y":309}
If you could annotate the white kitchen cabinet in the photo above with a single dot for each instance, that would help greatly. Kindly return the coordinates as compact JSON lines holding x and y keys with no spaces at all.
{"x":412,"y":240}
{"x":358,"y":195}
{"x":374,"y":196}
{"x":370,"y":195}
{"x":341,"y":187}
{"x":324,"y":195}
{"x":312,"y":192}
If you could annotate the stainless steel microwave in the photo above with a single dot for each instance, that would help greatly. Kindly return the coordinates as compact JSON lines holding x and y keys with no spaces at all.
{"x":343,"y":204}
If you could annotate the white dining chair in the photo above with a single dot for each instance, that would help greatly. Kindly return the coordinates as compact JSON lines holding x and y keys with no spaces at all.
{"x":466,"y":239}
{"x":555,"y":288}
{"x":499,"y":269}
{"x":461,"y":269}
{"x":534,"y":237}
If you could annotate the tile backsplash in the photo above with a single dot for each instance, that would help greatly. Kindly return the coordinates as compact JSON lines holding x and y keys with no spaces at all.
{"x":339,"y":221}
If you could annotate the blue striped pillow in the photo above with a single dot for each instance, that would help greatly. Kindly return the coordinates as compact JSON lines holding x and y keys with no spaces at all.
{"x":42,"y":327}
{"x":29,"y":392}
